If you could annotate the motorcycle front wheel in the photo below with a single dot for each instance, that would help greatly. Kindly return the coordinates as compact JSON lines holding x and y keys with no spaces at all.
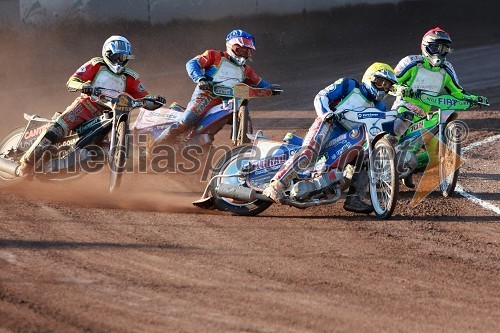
{"x":384,"y":181}
{"x":118,"y":157}
{"x":230,"y":164}
{"x":449,"y":160}
{"x":244,"y":126}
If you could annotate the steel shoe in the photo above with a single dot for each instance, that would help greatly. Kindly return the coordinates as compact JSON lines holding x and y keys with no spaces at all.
{"x":275,"y":191}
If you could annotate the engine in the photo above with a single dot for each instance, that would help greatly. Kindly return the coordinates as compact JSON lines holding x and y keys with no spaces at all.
{"x":326,"y":183}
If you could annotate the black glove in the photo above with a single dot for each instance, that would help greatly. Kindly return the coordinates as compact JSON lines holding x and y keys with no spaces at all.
{"x":331,"y":117}
{"x":205,"y":84}
{"x":160,"y":100}
{"x":87,"y":90}
{"x":482,"y":100}
{"x":276,"y":88}
{"x":407,"y":92}
{"x":407,"y":115}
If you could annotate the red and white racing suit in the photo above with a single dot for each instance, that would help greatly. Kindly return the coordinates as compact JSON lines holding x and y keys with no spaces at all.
{"x":98,"y":75}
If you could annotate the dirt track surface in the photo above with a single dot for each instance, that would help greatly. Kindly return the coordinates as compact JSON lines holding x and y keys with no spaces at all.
{"x":74,"y":259}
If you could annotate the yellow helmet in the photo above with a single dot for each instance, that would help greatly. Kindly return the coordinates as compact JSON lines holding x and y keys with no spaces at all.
{"x":378,"y":80}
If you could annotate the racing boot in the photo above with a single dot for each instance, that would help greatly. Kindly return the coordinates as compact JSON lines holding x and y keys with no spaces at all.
{"x":408,"y":181}
{"x":354,"y":201}
{"x":25,"y":170}
{"x":355,"y":204}
{"x":169,"y":135}
{"x":275,"y":191}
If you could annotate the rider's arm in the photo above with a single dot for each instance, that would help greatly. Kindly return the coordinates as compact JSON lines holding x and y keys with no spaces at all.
{"x":331,"y":95}
{"x":197,"y":66}
{"x":83,"y":75}
{"x":253,"y":79}
{"x":75,"y":84}
{"x":135,"y":88}
{"x":452,"y":86}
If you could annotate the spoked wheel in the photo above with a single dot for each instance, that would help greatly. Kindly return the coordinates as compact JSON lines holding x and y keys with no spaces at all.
{"x":384,"y":182}
{"x":245,"y":126}
{"x":7,"y":146}
{"x":449,"y":161}
{"x":118,"y":157}
{"x":230,"y":164}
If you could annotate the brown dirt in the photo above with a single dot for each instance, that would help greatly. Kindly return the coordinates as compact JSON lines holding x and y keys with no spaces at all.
{"x":75,"y":259}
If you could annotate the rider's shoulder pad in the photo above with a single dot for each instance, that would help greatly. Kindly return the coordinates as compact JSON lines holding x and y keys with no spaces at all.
{"x":97,"y":60}
{"x":132,"y":73}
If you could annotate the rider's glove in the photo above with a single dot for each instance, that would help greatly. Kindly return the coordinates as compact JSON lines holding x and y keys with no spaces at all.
{"x":276,"y":88}
{"x":204,"y":84}
{"x":160,"y":100}
{"x":407,"y":91}
{"x":330,"y":117}
{"x":482,"y":100}
{"x":407,"y":115}
{"x":87,"y":90}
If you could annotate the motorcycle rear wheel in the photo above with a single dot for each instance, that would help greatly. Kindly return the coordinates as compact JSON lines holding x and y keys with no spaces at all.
{"x":118,"y":157}
{"x":229,"y":164}
{"x":10,"y":141}
{"x":449,"y":162}
{"x":384,"y":180}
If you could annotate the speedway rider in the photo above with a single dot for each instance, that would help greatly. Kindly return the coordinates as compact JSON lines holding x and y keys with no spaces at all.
{"x":108,"y":72}
{"x":227,"y":67}
{"x":430,"y":72}
{"x":343,"y":94}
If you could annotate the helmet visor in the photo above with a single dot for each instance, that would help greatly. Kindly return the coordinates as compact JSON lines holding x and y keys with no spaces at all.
{"x":120,"y":58}
{"x":243,"y":42}
{"x":383,"y":84}
{"x":438,"y":48}
{"x":242,"y":51}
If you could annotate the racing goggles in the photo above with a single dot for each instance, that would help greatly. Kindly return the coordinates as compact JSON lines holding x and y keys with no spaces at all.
{"x":120,"y":58}
{"x":438,"y":48}
{"x":242,"y":51}
{"x":383,"y":84}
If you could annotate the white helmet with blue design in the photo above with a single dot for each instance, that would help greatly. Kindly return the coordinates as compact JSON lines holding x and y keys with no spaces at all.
{"x":116,"y":53}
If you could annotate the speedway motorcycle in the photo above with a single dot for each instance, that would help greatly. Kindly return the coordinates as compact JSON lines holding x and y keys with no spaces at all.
{"x":85,"y":149}
{"x":441,"y":124}
{"x":234,"y":110}
{"x":240,"y":177}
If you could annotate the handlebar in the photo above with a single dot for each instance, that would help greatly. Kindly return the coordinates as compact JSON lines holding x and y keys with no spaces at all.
{"x":116,"y":100}
{"x":243,"y":91}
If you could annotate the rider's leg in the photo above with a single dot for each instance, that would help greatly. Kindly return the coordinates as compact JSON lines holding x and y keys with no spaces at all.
{"x":423,"y":158}
{"x":400,"y":127}
{"x":78,"y":112}
{"x":200,"y":103}
{"x":318,"y":133}
{"x":357,"y":192}
{"x":53,"y":134}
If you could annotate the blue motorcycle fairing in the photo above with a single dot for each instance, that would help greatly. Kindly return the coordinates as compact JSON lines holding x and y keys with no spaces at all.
{"x":343,"y":148}
{"x":213,"y":121}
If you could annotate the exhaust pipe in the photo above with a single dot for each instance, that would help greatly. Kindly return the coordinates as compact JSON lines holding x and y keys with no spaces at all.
{"x":240,"y":193}
{"x":8,"y":166}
